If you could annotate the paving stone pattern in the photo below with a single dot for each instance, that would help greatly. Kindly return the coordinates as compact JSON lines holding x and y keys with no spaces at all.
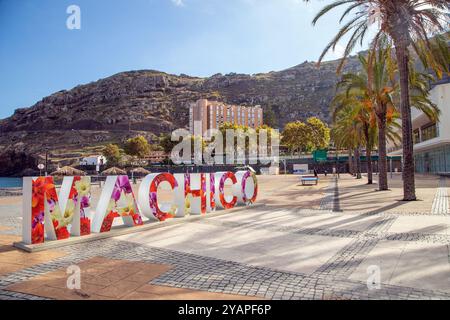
{"x":330,"y":281}
{"x":441,"y":200}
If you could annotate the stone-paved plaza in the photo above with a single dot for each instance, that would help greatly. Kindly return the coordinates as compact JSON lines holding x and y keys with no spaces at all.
{"x":320,"y":242}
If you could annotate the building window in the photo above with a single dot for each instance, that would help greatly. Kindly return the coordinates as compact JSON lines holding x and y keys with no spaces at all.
{"x":429,"y":132}
{"x":416,"y":136}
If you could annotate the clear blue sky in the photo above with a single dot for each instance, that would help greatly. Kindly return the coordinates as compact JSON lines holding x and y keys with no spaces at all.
{"x":39,"y":55}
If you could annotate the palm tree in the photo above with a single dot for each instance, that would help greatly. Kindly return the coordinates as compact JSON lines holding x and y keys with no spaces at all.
{"x":347,"y":133}
{"x":354,"y":126}
{"x":377,"y":91}
{"x":356,"y":114}
{"x":374,"y":88}
{"x":406,"y":23}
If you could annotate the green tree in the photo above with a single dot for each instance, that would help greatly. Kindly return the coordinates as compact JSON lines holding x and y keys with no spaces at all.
{"x":112,"y":153}
{"x":319,"y":133}
{"x":271,"y":133}
{"x":198,"y":139}
{"x":166,"y":143}
{"x":309,"y":136}
{"x":347,"y":133}
{"x":350,"y":111}
{"x":371,"y":92}
{"x":270,"y":118}
{"x":296,"y":136}
{"x":137,"y":147}
{"x":239,"y":130}
{"x":407,"y":24}
{"x":375,"y":91}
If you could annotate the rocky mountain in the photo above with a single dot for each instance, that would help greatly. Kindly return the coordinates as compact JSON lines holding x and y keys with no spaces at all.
{"x":151,"y":102}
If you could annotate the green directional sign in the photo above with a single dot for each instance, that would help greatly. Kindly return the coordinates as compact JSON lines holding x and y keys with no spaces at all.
{"x":320,"y":155}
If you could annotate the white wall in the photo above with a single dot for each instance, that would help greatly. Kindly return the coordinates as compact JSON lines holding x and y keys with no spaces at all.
{"x":93,"y":161}
{"x":440,"y":95}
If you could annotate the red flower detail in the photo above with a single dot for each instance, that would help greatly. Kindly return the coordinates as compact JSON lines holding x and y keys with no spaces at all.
{"x":50,"y":190}
{"x":73,"y":192}
{"x":38,"y":192}
{"x":108,"y":221}
{"x":37,"y":208}
{"x":85,"y":226}
{"x":137,"y":219}
{"x":37,"y":234}
{"x":62,"y":233}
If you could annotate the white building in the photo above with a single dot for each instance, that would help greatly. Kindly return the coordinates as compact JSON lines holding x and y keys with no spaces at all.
{"x":432,"y":140}
{"x":95,"y":160}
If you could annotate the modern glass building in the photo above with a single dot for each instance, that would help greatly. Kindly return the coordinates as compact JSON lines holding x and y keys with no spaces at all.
{"x":433,"y":161}
{"x":432,"y":140}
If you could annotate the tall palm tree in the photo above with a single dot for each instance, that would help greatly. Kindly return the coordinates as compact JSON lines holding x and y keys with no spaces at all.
{"x":374,"y":88}
{"x":354,"y":126}
{"x":406,"y":23}
{"x":347,"y":133}
{"x":356,"y":112}
{"x":377,"y":91}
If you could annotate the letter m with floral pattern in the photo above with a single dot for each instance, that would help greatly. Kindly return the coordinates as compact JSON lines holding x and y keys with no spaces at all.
{"x":49,"y":215}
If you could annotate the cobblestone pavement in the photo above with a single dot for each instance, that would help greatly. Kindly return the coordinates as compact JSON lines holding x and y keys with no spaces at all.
{"x":441,"y":200}
{"x":331,"y":280}
{"x":13,"y":225}
{"x":330,"y":201}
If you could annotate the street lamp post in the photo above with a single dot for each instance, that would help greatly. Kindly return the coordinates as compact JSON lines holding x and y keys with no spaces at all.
{"x":40,"y":167}
{"x":46,"y":161}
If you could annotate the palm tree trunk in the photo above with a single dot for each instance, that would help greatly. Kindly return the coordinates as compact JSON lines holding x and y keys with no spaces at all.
{"x":369,"y":166}
{"x":382,"y":154}
{"x":368,"y":156}
{"x":358,"y":163}
{"x":409,"y":188}
{"x":350,"y":161}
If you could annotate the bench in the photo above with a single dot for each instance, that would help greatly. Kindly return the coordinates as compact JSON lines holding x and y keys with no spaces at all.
{"x":306,"y":181}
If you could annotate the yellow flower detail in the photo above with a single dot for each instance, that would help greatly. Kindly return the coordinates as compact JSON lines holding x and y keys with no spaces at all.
{"x":83,"y":187}
{"x":68,"y":213}
{"x":129,"y":208}
{"x":56,"y":213}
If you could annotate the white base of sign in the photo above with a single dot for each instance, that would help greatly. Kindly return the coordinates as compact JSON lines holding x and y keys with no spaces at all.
{"x":122,"y":230}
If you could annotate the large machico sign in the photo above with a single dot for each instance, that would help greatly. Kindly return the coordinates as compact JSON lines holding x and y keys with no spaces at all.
{"x":51,"y":216}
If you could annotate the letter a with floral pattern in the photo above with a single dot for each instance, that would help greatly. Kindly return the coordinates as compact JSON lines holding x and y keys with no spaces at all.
{"x":116,"y":201}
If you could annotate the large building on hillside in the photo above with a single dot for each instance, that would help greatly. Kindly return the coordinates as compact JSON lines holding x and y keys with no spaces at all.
{"x":212,"y":114}
{"x":432,"y":140}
